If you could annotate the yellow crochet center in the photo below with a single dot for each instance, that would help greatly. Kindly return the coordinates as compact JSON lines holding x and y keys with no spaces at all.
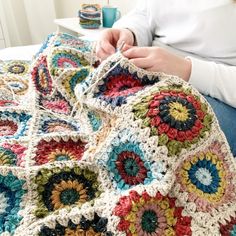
{"x":178,"y":111}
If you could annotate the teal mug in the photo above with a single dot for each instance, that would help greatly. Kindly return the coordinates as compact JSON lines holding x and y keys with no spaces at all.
{"x":109,"y":16}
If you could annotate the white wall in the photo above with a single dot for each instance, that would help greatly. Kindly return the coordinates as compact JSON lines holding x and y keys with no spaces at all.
{"x":40,"y":16}
{"x":69,"y":8}
{"x":30,"y":21}
{"x":27,"y":21}
{"x":14,"y":23}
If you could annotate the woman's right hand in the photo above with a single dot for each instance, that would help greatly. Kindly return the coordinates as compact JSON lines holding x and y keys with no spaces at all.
{"x":111,"y":39}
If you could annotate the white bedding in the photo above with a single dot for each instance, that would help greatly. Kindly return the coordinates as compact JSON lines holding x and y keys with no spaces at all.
{"x":19,"y":53}
{"x":25,"y":52}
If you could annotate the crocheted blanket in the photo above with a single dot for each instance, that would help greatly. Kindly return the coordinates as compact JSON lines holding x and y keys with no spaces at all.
{"x":108,"y":150}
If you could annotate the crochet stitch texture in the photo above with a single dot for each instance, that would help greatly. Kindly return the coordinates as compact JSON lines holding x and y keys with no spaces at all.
{"x":112,"y":150}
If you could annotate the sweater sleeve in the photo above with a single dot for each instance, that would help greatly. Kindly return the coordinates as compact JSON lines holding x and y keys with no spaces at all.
{"x":138,"y":22}
{"x":216,"y":80}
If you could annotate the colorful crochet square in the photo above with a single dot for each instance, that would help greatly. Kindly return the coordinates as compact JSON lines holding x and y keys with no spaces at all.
{"x":128,"y":166}
{"x":13,"y":125}
{"x":119,"y":84}
{"x":130,"y":160}
{"x":15,"y":85}
{"x":63,"y":58}
{"x":56,"y":104}
{"x":142,"y":214}
{"x":207,"y":179}
{"x":12,"y":191}
{"x":12,"y":154}
{"x":64,"y":187}
{"x":66,"y":40}
{"x":15,"y":67}
{"x":41,"y":76}
{"x":70,"y":79}
{"x":51,"y":151}
{"x":177,"y":116}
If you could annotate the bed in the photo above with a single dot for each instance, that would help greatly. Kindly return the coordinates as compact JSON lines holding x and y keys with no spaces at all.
{"x":19,"y":53}
{"x":25,"y":52}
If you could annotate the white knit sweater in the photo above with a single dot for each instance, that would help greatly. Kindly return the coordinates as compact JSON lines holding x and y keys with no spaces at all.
{"x":202,"y":30}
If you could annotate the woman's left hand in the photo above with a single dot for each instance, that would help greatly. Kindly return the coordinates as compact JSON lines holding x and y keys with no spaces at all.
{"x":157,"y":59}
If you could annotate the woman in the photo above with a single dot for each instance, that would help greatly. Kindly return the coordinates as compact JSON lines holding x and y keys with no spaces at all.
{"x":195,"y":40}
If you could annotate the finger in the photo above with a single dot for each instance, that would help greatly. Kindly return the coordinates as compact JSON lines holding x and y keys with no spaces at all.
{"x":151,"y":69}
{"x":104,"y":49}
{"x":126,"y":47}
{"x":107,"y":47}
{"x":125,"y":36}
{"x":141,"y":62}
{"x":102,"y":54}
{"x":136,"y":52}
{"x":122,"y":41}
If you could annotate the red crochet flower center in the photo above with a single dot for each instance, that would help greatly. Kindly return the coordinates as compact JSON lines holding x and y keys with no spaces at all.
{"x":8,"y":127}
{"x":122,"y":85}
{"x":120,"y":165}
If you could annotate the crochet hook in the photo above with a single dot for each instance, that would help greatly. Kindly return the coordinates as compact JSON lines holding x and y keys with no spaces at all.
{"x":119,"y":49}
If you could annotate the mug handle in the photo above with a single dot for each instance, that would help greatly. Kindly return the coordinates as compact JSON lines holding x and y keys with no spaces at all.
{"x":118,"y":14}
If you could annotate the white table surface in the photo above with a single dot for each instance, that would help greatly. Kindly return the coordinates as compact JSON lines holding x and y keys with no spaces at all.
{"x":73,"y":25}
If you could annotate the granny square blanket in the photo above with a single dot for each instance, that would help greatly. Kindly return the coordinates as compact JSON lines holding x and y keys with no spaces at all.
{"x":109,"y":149}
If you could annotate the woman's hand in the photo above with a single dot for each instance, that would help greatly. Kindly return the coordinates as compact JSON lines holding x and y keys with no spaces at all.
{"x":111,"y":39}
{"x":159,"y":60}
